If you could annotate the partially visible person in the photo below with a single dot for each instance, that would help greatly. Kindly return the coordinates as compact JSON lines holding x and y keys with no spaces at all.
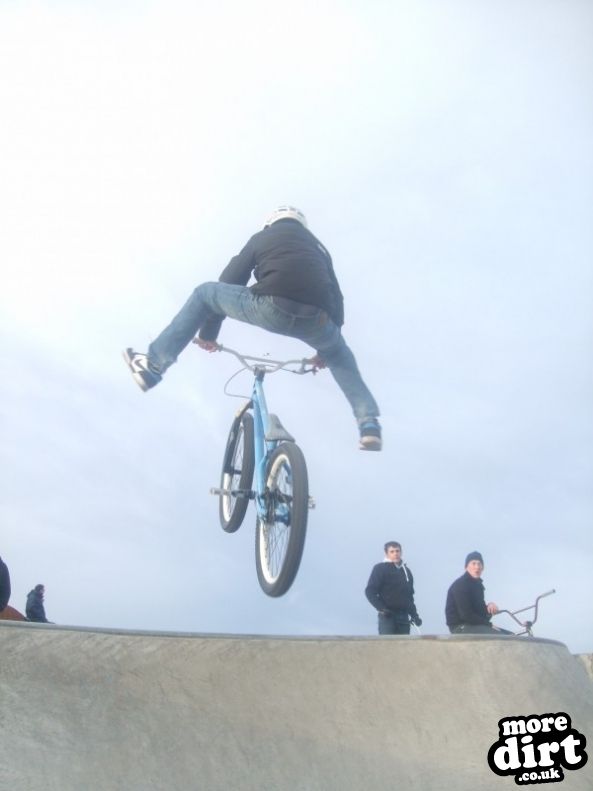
{"x":466,"y":610}
{"x":4,"y":585}
{"x":35,"y":609}
{"x":390,"y":590}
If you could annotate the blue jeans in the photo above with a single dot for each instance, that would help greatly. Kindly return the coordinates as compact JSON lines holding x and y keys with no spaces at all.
{"x":238,"y":302}
{"x":394,"y":623}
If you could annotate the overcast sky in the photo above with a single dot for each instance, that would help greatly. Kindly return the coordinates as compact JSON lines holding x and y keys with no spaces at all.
{"x":443,"y":152}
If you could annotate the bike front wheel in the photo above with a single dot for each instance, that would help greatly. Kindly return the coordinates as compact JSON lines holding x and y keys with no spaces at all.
{"x":237,"y":473}
{"x":280,"y":537}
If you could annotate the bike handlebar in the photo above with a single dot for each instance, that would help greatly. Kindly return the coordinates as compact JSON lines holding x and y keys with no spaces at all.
{"x":269,"y":366}
{"x":549,"y":593}
{"x":527,"y":624}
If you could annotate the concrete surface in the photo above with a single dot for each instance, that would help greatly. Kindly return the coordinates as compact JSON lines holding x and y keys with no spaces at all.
{"x":587,"y":660}
{"x":106,"y":710}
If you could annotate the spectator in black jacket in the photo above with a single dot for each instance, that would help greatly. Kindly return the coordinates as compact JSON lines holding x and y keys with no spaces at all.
{"x":35,"y":609}
{"x":295,"y":293}
{"x":390,"y":590}
{"x":4,"y":585}
{"x":466,"y":610}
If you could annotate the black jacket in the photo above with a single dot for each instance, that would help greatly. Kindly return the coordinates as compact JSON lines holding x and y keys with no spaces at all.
{"x":4,"y":584}
{"x":286,"y":261}
{"x":35,"y":610}
{"x":465,"y":602}
{"x":391,"y":588}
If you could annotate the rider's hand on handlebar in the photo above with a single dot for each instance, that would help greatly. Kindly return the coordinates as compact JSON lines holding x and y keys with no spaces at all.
{"x":492,"y":608}
{"x":318,"y":363}
{"x":209,"y":346}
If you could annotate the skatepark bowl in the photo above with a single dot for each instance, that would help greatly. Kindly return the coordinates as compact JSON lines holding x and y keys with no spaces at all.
{"x":113,"y":710}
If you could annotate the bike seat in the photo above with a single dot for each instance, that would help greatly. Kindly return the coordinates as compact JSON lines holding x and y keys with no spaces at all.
{"x":276,"y":431}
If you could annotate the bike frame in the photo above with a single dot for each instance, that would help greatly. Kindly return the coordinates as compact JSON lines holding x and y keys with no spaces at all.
{"x":262,"y":446}
{"x":262,"y":424}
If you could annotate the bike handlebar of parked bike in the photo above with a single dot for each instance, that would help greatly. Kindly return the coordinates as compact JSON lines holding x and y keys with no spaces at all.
{"x":267,"y":365}
{"x":527,"y":624}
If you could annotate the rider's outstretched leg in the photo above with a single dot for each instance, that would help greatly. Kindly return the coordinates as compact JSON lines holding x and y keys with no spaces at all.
{"x":209,"y":303}
{"x":325,"y":336}
{"x":342,"y":364}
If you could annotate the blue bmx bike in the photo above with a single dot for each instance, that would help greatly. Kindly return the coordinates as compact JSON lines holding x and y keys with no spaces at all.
{"x":263,"y":463}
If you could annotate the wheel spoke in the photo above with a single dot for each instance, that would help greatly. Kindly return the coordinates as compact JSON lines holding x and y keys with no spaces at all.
{"x":281,"y":539}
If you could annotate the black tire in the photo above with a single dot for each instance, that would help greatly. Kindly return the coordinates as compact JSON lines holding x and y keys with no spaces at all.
{"x":279,"y":543}
{"x":237,"y":473}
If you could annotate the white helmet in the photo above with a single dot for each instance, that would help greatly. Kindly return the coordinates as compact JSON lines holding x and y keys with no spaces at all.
{"x":286,"y":213}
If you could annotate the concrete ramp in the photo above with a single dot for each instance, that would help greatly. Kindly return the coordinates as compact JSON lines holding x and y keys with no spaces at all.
{"x":102,"y":710}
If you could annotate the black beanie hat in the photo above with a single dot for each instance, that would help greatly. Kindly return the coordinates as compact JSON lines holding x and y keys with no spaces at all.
{"x":474,"y":556}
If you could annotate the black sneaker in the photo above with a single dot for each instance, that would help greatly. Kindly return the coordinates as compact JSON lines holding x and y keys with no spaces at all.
{"x":370,"y":434}
{"x":143,"y":373}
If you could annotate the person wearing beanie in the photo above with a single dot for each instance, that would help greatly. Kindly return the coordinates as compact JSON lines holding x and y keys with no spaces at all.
{"x":35,"y":610}
{"x":390,"y":590}
{"x":466,"y":610}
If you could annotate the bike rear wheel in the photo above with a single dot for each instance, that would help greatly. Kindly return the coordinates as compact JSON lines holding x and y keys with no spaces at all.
{"x":237,"y":473}
{"x":280,"y":538}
